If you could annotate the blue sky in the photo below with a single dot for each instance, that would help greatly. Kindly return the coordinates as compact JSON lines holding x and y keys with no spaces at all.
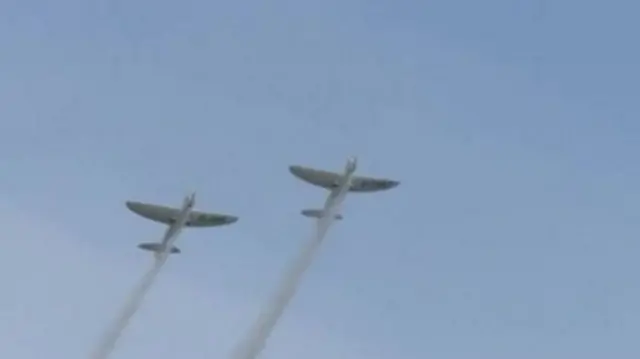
{"x":512,"y":126}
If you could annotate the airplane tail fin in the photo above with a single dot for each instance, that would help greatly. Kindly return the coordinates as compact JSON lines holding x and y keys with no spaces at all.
{"x":157,"y":248}
{"x":318,"y":213}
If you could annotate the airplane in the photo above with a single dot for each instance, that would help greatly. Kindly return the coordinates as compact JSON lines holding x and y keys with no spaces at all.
{"x":176,"y":219}
{"x":336,"y":182}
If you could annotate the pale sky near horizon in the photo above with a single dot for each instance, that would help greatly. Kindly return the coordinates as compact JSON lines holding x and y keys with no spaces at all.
{"x":512,"y":126}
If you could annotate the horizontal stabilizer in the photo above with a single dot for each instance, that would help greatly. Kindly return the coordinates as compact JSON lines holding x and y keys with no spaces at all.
{"x":318,"y":213}
{"x":157,"y":248}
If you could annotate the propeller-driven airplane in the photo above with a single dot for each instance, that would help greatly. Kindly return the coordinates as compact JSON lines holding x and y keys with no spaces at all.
{"x":337,"y":183}
{"x":176,"y":219}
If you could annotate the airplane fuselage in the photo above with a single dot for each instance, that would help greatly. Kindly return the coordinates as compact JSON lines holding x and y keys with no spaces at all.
{"x":176,"y":227}
{"x":339,"y":191}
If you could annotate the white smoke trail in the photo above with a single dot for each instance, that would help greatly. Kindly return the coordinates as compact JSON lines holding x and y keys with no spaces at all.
{"x":255,"y":342}
{"x":132,"y":304}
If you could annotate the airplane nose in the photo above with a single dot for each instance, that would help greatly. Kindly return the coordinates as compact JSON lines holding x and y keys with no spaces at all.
{"x":232,"y":219}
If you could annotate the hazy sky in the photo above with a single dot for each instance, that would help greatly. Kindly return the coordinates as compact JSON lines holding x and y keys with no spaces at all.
{"x":512,"y":125}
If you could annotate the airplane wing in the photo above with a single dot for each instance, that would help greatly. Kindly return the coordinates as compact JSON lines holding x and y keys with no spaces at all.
{"x":370,"y":184}
{"x":168,"y":215}
{"x":208,"y":219}
{"x":330,"y":180}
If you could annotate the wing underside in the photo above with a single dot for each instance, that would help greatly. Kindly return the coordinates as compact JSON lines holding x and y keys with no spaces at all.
{"x":168,"y":215}
{"x":331,"y":180}
{"x":369,"y":184}
{"x":208,"y":219}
